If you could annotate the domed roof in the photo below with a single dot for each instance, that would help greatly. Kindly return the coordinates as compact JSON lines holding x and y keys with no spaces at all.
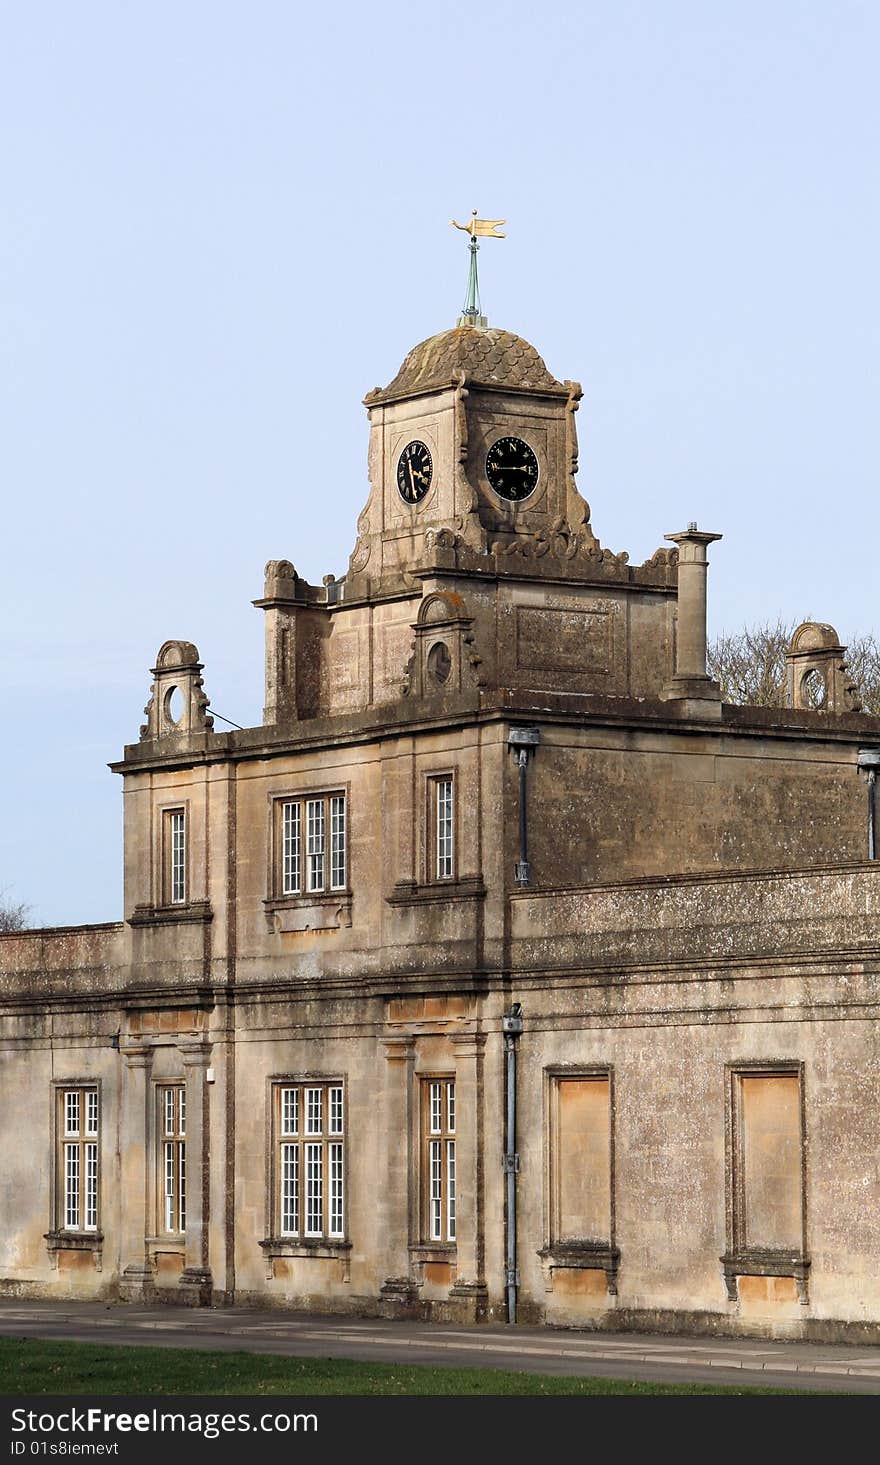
{"x":485,"y":356}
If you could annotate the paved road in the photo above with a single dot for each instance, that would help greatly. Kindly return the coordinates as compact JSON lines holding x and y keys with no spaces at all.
{"x":743,"y":1363}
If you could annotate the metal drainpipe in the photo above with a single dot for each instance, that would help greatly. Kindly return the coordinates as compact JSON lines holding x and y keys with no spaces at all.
{"x":869,"y":762}
{"x":522,"y":741}
{"x":511,"y":1026}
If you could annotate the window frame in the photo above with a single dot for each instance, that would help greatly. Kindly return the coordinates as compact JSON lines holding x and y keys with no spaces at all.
{"x":434,"y":781}
{"x":592,"y":1073}
{"x":304,"y":800}
{"x":438,"y":1191}
{"x":84,"y":1139}
{"x":577,"y":1253}
{"x":175,"y":1141}
{"x":737,"y":1234}
{"x":307,"y":1141}
{"x":168,"y":895}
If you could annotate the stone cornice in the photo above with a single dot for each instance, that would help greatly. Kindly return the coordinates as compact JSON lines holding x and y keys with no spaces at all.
{"x":832,"y":964}
{"x":582,"y":710}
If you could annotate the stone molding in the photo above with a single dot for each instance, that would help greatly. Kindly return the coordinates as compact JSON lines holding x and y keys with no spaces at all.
{"x":766,"y":1262}
{"x":413,"y":892}
{"x":581,"y":1256}
{"x":199,"y":911}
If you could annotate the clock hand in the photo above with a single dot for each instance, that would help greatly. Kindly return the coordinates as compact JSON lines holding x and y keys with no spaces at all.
{"x":412,"y":483}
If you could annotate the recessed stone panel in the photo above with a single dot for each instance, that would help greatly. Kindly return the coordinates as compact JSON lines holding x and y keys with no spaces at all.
{"x":345,"y":661}
{"x":564,"y":640}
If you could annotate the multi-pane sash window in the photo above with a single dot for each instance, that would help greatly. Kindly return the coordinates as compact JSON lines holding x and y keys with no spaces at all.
{"x":175,"y":856}
{"x":79,"y":1156}
{"x":172,"y":1152}
{"x":291,"y":848}
{"x":441,"y":833}
{"x":312,"y":844}
{"x":309,"y":1159}
{"x":438,"y":1158}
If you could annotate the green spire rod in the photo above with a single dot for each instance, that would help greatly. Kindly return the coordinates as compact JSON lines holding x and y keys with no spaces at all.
{"x":486,"y":228}
{"x":472,"y":311}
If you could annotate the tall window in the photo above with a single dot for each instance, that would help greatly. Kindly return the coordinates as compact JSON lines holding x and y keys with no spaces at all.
{"x":581,"y":1158}
{"x":172,"y":1158}
{"x":174,"y":857}
{"x":79,"y":1154}
{"x":309,"y":1160}
{"x":438,"y":1159}
{"x":311,"y":841}
{"x":441,"y":830}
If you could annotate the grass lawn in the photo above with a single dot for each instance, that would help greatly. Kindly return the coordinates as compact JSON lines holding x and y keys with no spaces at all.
{"x":35,"y":1366}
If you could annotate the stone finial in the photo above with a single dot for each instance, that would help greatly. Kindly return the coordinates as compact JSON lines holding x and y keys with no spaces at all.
{"x":815,"y":671}
{"x":280,"y":581}
{"x":177,"y":702}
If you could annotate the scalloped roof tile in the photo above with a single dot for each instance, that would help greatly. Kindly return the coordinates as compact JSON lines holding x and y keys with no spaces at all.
{"x":488,"y":357}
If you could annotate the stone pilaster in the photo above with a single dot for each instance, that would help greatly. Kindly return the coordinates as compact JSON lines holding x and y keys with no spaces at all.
{"x":397,"y":1198}
{"x":280,"y":598}
{"x":196,"y":1275}
{"x":135,"y":1269}
{"x":470,"y":1285}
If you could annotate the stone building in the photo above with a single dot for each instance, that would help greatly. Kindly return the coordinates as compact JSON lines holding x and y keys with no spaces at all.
{"x":496,"y":840}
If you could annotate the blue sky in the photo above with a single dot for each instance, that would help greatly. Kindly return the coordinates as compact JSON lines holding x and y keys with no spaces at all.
{"x":224,"y":223}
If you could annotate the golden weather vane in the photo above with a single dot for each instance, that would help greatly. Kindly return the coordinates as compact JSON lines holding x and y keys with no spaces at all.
{"x":482,"y":229}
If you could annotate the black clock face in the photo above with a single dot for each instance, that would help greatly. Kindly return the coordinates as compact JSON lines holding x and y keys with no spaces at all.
{"x":512,"y":469}
{"x":414,"y":469}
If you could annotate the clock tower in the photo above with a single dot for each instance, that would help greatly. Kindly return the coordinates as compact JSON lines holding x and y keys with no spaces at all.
{"x":473,"y":441}
{"x":475,"y":566}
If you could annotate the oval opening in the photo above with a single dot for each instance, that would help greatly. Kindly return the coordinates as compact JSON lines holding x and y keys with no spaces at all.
{"x":174,"y":706}
{"x":814,"y":689}
{"x":440,"y":662}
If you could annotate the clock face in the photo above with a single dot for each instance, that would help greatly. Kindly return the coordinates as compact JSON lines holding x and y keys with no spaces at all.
{"x":512,"y":469}
{"x":414,"y":470}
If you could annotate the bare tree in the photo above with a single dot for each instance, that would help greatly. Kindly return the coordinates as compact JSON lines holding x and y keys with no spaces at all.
{"x":13,"y":915}
{"x":863,"y":665}
{"x":750,"y":664}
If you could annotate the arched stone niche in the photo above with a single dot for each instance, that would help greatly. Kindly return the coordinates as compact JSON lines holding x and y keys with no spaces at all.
{"x":443,"y":658}
{"x":816,"y":675}
{"x":177,"y":702}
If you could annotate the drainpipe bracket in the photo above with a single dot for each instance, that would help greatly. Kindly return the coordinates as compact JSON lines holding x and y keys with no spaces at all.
{"x":510,"y":1164}
{"x":512,"y":1021}
{"x":523,"y":737}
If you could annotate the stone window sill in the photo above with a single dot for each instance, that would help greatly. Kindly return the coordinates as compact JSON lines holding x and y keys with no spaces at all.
{"x":83,"y":1241}
{"x":433,"y":1251}
{"x":305,"y":1246}
{"x":171,"y":915}
{"x":583,"y":1256}
{"x":766,"y":1262}
{"x":318,"y":911}
{"x":74,"y":1240}
{"x":410,"y":892}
